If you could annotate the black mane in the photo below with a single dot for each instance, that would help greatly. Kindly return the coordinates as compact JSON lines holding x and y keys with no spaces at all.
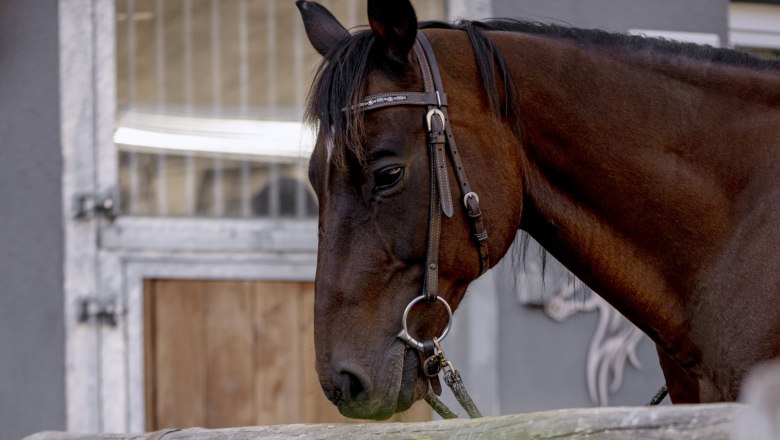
{"x":631,"y":42}
{"x":342,"y":77}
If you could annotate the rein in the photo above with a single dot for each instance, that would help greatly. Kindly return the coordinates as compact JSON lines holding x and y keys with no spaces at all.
{"x":441,"y":144}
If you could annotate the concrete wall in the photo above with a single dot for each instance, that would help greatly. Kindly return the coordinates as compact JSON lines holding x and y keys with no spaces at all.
{"x":32,"y":357}
{"x":705,"y":16}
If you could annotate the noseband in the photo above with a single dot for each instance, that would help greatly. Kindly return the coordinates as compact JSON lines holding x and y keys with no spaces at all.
{"x":441,"y":144}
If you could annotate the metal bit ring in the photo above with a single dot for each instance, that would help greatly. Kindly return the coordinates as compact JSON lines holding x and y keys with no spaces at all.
{"x":414,"y":343}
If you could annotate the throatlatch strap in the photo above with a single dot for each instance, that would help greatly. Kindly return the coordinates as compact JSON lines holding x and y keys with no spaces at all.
{"x":470,"y":198}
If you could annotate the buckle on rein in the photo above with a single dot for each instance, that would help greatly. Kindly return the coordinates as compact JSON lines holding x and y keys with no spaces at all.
{"x":436,"y":362}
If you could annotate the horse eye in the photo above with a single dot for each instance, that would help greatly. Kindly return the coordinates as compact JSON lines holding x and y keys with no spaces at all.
{"x":387,"y":178}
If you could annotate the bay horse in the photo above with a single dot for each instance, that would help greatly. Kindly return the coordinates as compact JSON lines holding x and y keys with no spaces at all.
{"x":650,"y":169}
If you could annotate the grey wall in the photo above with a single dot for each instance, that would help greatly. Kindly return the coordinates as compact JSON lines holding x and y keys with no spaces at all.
{"x":32,"y":355}
{"x":706,"y":16}
{"x":541,"y":362}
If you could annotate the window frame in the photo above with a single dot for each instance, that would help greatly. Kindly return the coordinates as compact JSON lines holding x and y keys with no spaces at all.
{"x":754,"y":25}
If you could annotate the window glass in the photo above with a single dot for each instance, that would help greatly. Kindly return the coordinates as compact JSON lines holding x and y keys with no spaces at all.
{"x":766,"y":53}
{"x":210,"y":97}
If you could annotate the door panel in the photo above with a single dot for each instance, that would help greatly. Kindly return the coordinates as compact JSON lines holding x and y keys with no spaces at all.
{"x":175,"y":351}
{"x":278,"y":355}
{"x":234,"y":353}
{"x":229,"y":359}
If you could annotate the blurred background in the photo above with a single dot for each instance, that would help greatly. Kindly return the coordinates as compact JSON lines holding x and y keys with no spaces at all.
{"x":159,"y":231}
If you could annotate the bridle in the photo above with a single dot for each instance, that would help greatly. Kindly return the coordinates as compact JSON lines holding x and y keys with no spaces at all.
{"x":441,"y":144}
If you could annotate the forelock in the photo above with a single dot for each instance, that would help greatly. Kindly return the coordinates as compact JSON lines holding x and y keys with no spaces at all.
{"x":340,"y":83}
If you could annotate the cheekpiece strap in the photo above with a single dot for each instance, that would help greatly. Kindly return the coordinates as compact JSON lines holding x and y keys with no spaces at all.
{"x":441,"y":199}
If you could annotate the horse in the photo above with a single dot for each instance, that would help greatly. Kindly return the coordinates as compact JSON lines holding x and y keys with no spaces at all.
{"x":649,"y":168}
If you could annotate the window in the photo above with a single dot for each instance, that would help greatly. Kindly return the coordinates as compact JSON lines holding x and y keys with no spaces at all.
{"x":210,"y":97}
{"x":755,"y":28}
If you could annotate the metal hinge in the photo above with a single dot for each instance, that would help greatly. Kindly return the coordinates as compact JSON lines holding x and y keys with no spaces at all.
{"x":104,"y":204}
{"x":100,"y":311}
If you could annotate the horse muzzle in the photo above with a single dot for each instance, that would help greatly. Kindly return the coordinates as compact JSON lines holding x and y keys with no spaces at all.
{"x":377,"y":393}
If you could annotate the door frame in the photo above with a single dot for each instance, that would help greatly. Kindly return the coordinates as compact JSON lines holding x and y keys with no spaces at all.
{"x":108,"y":260}
{"x":123,"y":370}
{"x":86,"y":92}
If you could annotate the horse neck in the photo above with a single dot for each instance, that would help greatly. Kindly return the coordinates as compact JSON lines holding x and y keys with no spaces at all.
{"x":626,"y":172}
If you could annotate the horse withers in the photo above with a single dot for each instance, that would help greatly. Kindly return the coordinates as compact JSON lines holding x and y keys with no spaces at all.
{"x":649,"y":168}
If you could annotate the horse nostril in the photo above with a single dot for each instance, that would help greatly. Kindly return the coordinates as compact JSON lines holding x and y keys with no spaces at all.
{"x":333,"y":394}
{"x":351,"y":386}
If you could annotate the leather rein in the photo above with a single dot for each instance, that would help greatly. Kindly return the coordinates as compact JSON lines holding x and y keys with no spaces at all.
{"x":441,"y":144}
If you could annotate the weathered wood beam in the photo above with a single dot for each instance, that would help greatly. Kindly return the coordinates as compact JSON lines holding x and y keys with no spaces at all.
{"x":705,"y":422}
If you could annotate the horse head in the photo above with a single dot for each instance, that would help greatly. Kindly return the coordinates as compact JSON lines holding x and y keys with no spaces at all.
{"x":371,"y":171}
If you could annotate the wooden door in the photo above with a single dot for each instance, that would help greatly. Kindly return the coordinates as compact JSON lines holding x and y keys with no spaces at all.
{"x":234,"y":353}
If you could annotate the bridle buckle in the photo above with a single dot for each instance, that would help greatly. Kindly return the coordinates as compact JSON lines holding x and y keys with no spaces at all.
{"x":429,"y":117}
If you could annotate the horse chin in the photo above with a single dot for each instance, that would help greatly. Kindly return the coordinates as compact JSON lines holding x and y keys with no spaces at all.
{"x":404,"y":386}
{"x":413,"y":385}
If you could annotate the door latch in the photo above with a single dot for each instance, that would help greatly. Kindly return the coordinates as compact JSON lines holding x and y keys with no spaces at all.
{"x":100,"y":311}
{"x":104,"y":204}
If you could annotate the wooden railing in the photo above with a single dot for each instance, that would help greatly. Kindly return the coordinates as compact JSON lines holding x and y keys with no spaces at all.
{"x":711,"y":422}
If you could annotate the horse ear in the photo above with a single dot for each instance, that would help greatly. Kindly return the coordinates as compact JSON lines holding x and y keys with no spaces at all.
{"x":395,"y":24}
{"x":323,"y":29}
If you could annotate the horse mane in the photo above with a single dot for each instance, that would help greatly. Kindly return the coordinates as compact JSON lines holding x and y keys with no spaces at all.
{"x":634,"y":43}
{"x":342,"y":77}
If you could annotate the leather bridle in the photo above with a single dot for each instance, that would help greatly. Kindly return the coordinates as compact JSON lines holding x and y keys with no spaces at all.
{"x":441,"y":143}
